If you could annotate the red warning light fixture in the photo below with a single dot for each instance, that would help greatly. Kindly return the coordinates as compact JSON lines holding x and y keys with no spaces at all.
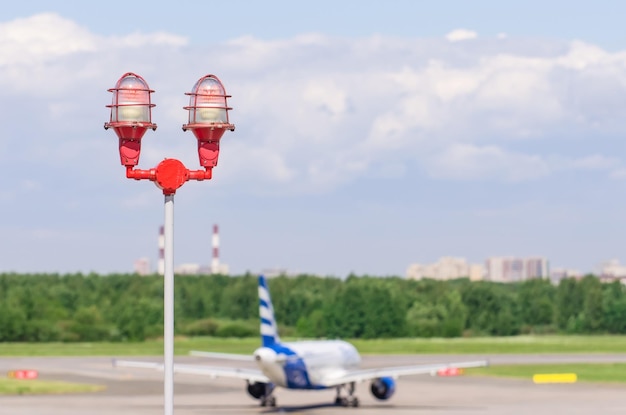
{"x":131,"y":117}
{"x":208,"y":117}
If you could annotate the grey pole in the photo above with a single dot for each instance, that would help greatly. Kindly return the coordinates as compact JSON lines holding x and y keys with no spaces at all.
{"x":168,"y":306}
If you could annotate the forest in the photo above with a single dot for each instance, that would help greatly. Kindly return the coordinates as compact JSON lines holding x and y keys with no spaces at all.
{"x":128,"y":307}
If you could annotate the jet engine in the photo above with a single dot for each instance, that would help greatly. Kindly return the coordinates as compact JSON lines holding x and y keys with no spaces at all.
{"x":257,"y":389}
{"x":383,"y":388}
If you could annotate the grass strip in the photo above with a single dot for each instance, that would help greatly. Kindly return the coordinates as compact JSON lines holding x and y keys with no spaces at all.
{"x":476,"y":345}
{"x":42,"y":387}
{"x":495,"y":345}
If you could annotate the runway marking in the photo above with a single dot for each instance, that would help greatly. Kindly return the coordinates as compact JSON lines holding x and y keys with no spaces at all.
{"x":555,"y":378}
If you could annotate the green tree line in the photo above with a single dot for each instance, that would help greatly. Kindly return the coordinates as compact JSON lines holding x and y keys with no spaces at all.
{"x":124,"y":307}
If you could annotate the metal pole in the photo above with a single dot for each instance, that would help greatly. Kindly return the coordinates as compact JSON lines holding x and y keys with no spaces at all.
{"x":168,"y":307}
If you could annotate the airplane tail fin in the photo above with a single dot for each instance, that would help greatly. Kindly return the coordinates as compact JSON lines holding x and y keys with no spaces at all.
{"x":269,"y":328}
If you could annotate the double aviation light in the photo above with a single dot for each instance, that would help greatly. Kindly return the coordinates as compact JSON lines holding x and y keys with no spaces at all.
{"x":131,"y":117}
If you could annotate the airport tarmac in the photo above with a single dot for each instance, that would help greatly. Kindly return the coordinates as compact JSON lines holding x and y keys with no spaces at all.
{"x":140,"y":391}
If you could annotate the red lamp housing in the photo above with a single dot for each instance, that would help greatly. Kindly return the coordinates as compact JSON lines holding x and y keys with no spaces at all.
{"x":131,"y":115}
{"x":208,"y":118}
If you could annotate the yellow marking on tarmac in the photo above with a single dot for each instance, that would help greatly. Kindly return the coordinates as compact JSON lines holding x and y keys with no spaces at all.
{"x":555,"y":378}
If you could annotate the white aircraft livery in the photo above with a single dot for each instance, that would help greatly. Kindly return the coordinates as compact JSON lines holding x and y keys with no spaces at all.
{"x":308,"y":365}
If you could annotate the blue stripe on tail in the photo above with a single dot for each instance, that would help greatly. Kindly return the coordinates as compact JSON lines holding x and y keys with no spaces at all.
{"x":269,"y":329}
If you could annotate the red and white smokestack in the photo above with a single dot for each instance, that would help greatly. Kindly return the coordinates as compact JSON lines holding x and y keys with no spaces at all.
{"x":161,"y":262}
{"x":215,"y":242}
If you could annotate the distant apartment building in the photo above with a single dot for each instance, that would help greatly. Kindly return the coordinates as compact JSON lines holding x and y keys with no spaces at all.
{"x":612,"y":270}
{"x":446,"y":268}
{"x":220,"y":269}
{"x":188,"y":269}
{"x":513,"y":269}
{"x":557,"y":274}
{"x":197,"y":269}
{"x":142,"y":266}
{"x":537,"y":268}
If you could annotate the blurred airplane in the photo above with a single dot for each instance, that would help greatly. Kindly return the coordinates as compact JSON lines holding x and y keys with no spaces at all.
{"x":308,"y":365}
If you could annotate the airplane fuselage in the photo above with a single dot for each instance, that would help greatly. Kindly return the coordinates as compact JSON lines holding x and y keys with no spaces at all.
{"x":306,"y":364}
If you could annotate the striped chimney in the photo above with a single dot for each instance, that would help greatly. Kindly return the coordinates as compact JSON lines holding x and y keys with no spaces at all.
{"x":215,"y":242}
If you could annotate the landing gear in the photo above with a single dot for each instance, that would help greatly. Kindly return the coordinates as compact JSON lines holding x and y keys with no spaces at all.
{"x":349,"y":400}
{"x":268,"y":399}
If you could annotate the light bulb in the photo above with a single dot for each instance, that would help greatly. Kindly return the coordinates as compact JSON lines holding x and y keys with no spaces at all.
{"x":210,"y":115}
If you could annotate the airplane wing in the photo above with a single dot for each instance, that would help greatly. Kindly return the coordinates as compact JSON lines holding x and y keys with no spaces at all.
{"x":250,"y":375}
{"x":223,"y":356}
{"x":396,"y":372}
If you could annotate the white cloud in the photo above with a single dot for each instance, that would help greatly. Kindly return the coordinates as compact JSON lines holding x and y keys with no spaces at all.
{"x":458,"y":35}
{"x":255,"y":163}
{"x":619,"y":174}
{"x":595,"y":162}
{"x":42,"y":37}
{"x":315,"y":112}
{"x":49,"y":55}
{"x":47,"y":36}
{"x":138,"y":40}
{"x":469,"y":162}
{"x":582,"y":55}
{"x":326,"y":96}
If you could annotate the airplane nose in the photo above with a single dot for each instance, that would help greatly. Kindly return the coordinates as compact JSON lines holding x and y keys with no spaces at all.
{"x":265,"y":355}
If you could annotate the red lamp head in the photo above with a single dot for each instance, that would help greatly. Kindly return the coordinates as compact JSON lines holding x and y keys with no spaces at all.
{"x":208,"y":117}
{"x":131,"y":115}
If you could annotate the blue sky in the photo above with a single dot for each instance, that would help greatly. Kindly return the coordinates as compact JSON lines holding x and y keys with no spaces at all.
{"x":370,"y":135}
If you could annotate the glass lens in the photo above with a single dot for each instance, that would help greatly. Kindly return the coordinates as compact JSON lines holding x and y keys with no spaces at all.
{"x":133,"y":100}
{"x":210,"y":102}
